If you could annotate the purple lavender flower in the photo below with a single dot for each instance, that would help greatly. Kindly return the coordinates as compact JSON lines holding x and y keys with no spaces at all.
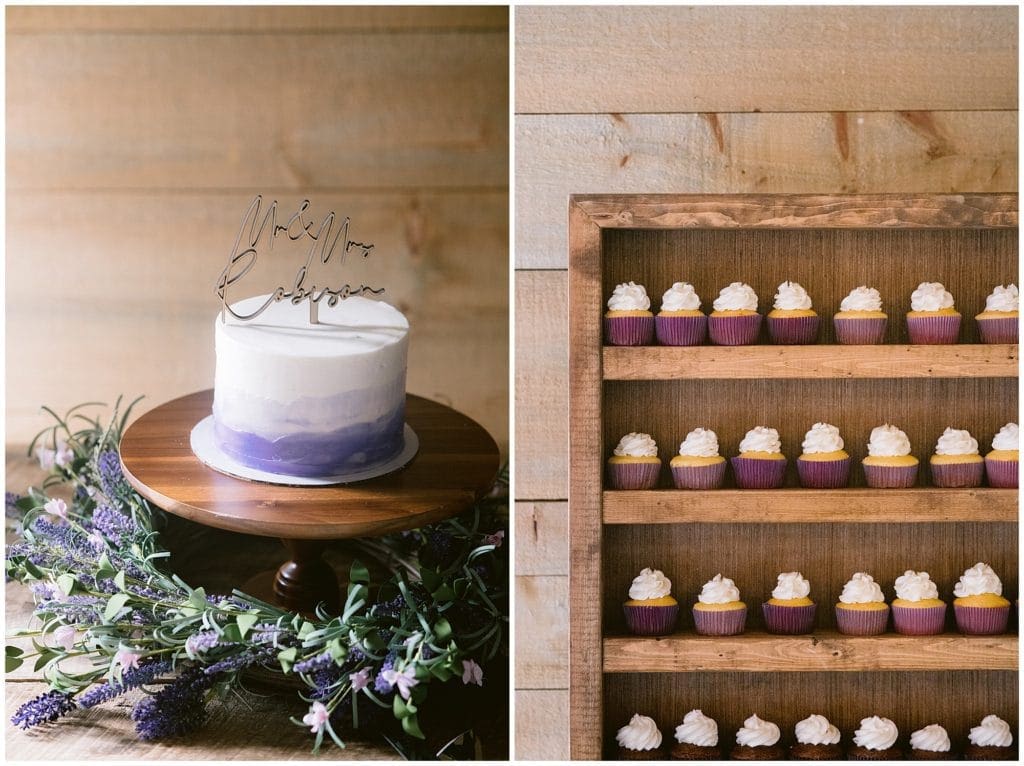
{"x":244,"y":659}
{"x":201,"y":642}
{"x":324,"y":683}
{"x":319,"y":662}
{"x":74,"y":610}
{"x":112,"y":481}
{"x":11,"y":508}
{"x":113,"y":524}
{"x":130,"y":679}
{"x":45,"y":708}
{"x":179,"y":708}
{"x":382,"y":685}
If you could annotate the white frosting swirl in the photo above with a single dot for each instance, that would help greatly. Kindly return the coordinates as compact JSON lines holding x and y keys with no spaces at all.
{"x":1003,"y":299}
{"x":888,"y":441}
{"x":697,"y":729}
{"x":629,"y":296}
{"x":636,"y":445}
{"x":915,"y":586}
{"x":737,"y":296}
{"x":792,"y":297}
{"x":861,"y":589}
{"x":1007,"y":438}
{"x":862,"y":298}
{"x":816,"y":730}
{"x":719,"y":590}
{"x":980,"y":578}
{"x":641,"y":733}
{"x":761,"y":439}
{"x":680,"y":297}
{"x":822,"y":438}
{"x":649,"y":584}
{"x":876,"y":733}
{"x":757,"y":733}
{"x":992,"y":732}
{"x":700,"y":442}
{"x":932,"y":738}
{"x":956,"y":441}
{"x":930,"y":296}
{"x":791,"y":585}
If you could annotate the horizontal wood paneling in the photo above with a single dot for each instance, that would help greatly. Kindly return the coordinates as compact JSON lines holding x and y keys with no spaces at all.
{"x":559,"y":155}
{"x":542,"y":725}
{"x":712,"y":59}
{"x":542,"y":543}
{"x":542,"y":632}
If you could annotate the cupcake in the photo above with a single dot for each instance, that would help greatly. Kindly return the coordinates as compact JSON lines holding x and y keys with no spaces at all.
{"x":698,"y":464}
{"x":930,"y":744}
{"x":758,"y":741}
{"x":790,"y":611}
{"x":629,"y":321}
{"x":979,"y":606}
{"x":816,"y":740}
{"x":862,"y":610}
{"x":760,"y":464}
{"x":932,"y":318}
{"x":1001,"y":462}
{"x":640,"y":740}
{"x":823,"y":464}
{"x":991,"y":740}
{"x":917,"y":609}
{"x":889,"y":463}
{"x":651,"y":610}
{"x":680,"y":323}
{"x":634,"y":463}
{"x":719,"y":611}
{"x":998,"y":322}
{"x":860,"y":320}
{"x":875,"y":740}
{"x":734,"y":320}
{"x":956,"y":462}
{"x":696,"y":739}
{"x":792,"y":321}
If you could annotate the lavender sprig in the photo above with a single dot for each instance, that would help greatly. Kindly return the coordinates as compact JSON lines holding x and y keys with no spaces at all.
{"x":145,"y":673}
{"x":45,"y":708}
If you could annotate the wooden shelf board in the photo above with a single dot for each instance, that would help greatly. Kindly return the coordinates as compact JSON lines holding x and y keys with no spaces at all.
{"x":859,"y":505}
{"x":818,"y":361}
{"x":822,"y":651}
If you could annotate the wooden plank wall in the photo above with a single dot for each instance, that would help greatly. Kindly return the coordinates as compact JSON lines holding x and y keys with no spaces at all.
{"x":136,"y":137}
{"x":713,"y":100}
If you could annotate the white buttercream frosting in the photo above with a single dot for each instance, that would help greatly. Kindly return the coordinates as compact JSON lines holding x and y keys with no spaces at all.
{"x":932,"y":738}
{"x":791,"y":585}
{"x":888,"y":441}
{"x":1003,"y":299}
{"x":1007,"y":438}
{"x":719,"y":590}
{"x":862,"y":298}
{"x":861,"y":589}
{"x":792,"y":297}
{"x":876,"y":733}
{"x":636,"y":445}
{"x":978,"y":579}
{"x":697,"y":729}
{"x":956,"y":441}
{"x":629,"y":296}
{"x":680,"y":297}
{"x":650,"y":584}
{"x":816,"y":730}
{"x":700,"y":442}
{"x":757,"y":733}
{"x":931,"y":296}
{"x":993,"y":731}
{"x":915,"y":586}
{"x":761,"y":439}
{"x":737,"y":296}
{"x":822,"y":437}
{"x":641,"y":733}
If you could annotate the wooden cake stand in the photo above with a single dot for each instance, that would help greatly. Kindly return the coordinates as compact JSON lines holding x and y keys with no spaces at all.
{"x":456,"y":464}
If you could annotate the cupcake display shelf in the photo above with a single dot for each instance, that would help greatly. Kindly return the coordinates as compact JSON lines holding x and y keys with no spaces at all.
{"x":829,"y":245}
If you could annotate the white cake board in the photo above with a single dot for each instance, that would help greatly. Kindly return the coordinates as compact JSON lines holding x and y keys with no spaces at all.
{"x":204,"y":446}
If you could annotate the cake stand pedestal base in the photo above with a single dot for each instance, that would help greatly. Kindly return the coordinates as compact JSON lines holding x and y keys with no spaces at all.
{"x":300,"y":583}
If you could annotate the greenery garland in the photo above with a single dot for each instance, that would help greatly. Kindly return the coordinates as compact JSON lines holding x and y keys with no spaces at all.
{"x":93,"y":565}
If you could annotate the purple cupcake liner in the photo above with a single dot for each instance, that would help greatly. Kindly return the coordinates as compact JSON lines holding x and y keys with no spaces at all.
{"x":957,"y":474}
{"x":890,"y":477}
{"x":793,"y":331}
{"x":633,"y":475}
{"x":699,"y":477}
{"x":758,"y":473}
{"x":789,"y":620}
{"x":998,"y":330}
{"x":728,"y":622}
{"x":681,"y":331}
{"x":918,"y":621}
{"x":862,"y":622}
{"x":860,"y":332}
{"x":933,"y":330}
{"x":982,"y":620}
{"x":1001,"y":473}
{"x":629,"y":331}
{"x":650,"y":620}
{"x":823,"y":474}
{"x":734,"y":330}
